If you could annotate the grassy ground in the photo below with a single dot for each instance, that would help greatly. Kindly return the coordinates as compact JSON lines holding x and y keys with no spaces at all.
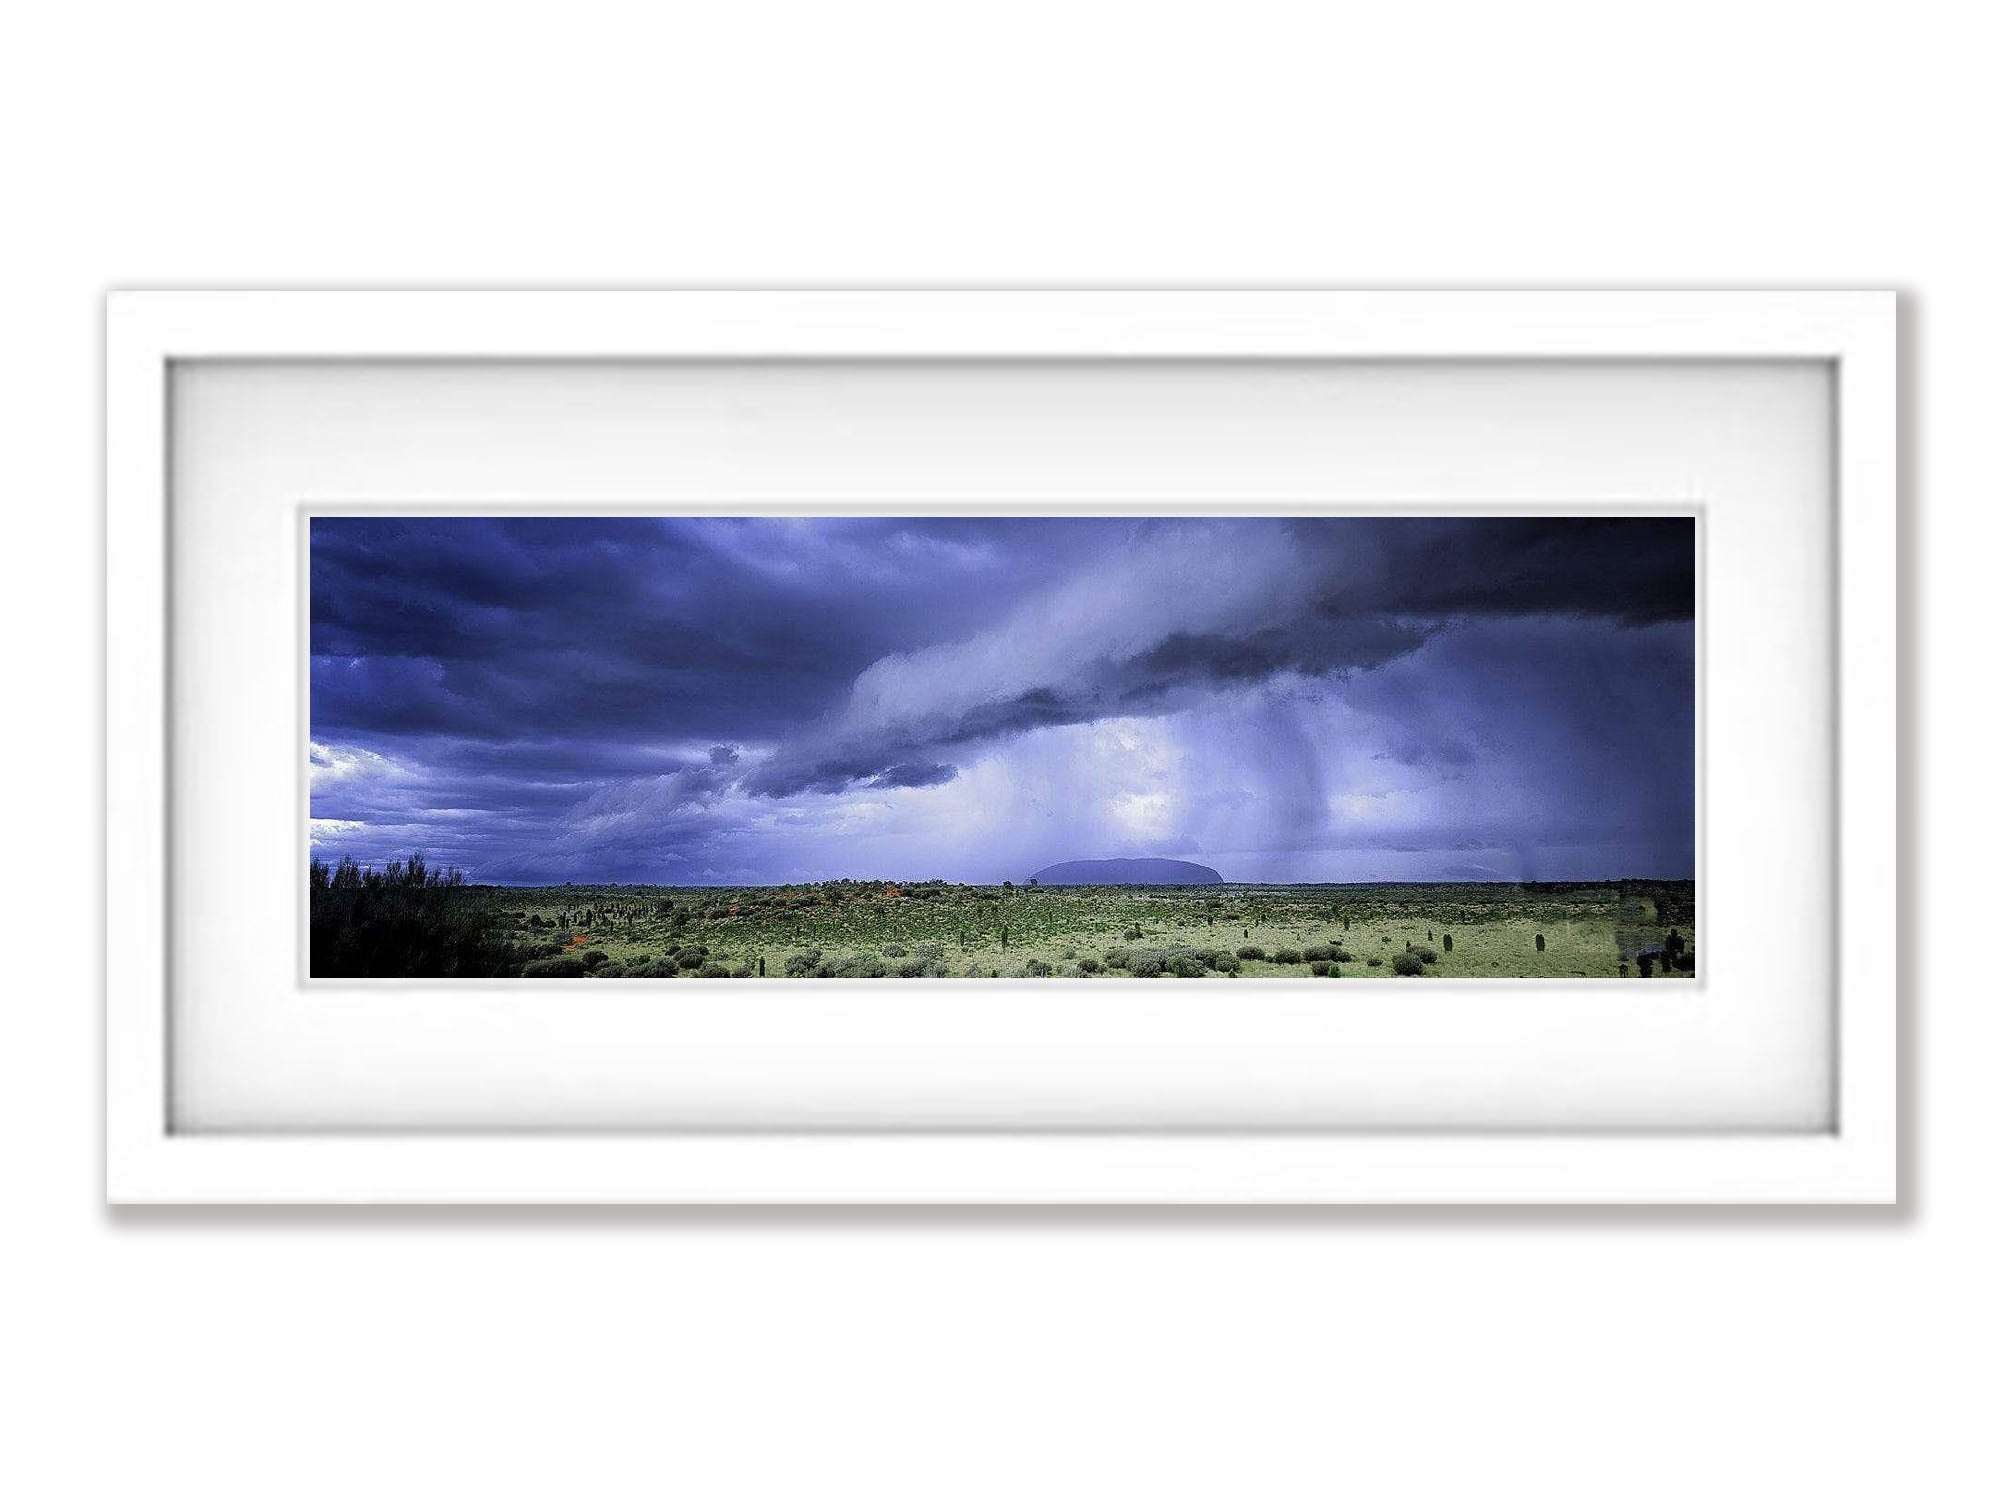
{"x":873,"y":929}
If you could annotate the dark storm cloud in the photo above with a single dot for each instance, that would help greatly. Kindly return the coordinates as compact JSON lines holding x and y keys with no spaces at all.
{"x":1184,"y":608}
{"x":632,"y":628}
{"x":1637,"y":570}
{"x":917,"y":773}
{"x":536,"y":694}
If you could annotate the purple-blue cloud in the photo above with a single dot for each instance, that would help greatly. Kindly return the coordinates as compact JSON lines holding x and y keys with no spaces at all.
{"x":736,"y":700}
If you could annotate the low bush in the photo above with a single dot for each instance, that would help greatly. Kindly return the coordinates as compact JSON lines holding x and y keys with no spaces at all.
{"x":801,"y":964}
{"x":1287,"y":956}
{"x":712,"y":971}
{"x":1035,"y":968}
{"x":654,"y":968}
{"x":592,"y":957}
{"x":1426,"y":955}
{"x":1407,"y":964}
{"x":1374,"y":961}
{"x":1249,"y":950}
{"x":1148,"y":967}
{"x":1186,"y":966}
{"x":1089,"y":966}
{"x":553,"y":968}
{"x":853,"y":966}
{"x":608,"y":971}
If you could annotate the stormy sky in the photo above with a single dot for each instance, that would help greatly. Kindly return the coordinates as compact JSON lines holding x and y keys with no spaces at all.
{"x":735,"y":701}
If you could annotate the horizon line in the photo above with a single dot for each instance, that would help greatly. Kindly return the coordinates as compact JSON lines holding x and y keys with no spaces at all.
{"x":772,"y":885}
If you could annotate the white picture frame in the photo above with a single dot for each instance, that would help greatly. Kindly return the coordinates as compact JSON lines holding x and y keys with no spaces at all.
{"x":1851,"y":1161}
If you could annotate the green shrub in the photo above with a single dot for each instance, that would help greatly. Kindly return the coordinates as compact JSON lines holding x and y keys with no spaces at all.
{"x":1186,"y":966}
{"x":1407,"y":964}
{"x":1036,"y":968}
{"x":1321,"y":968}
{"x":655,"y":968}
{"x":592,"y":957}
{"x":1425,"y":955}
{"x":1249,"y":950}
{"x":800,"y":964}
{"x":712,"y":971}
{"x":1374,"y":961}
{"x":1145,"y":968}
{"x":1133,"y":934}
{"x":608,"y":971}
{"x":1287,"y":956}
{"x":854,"y":966}
{"x":1089,"y":966}
{"x":553,"y":968}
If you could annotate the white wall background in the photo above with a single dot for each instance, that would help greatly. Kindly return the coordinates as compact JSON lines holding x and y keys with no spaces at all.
{"x":1385,"y":1354}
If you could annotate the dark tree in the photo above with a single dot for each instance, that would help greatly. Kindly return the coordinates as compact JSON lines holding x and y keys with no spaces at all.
{"x":403,"y":921}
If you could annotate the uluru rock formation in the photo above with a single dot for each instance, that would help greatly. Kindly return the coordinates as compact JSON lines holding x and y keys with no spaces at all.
{"x":1127,"y":872}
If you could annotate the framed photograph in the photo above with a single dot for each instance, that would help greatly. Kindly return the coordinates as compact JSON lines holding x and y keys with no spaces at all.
{"x":1002,"y":747}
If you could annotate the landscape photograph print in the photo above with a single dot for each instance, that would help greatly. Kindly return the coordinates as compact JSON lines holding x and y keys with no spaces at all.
{"x":1081,"y":748}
